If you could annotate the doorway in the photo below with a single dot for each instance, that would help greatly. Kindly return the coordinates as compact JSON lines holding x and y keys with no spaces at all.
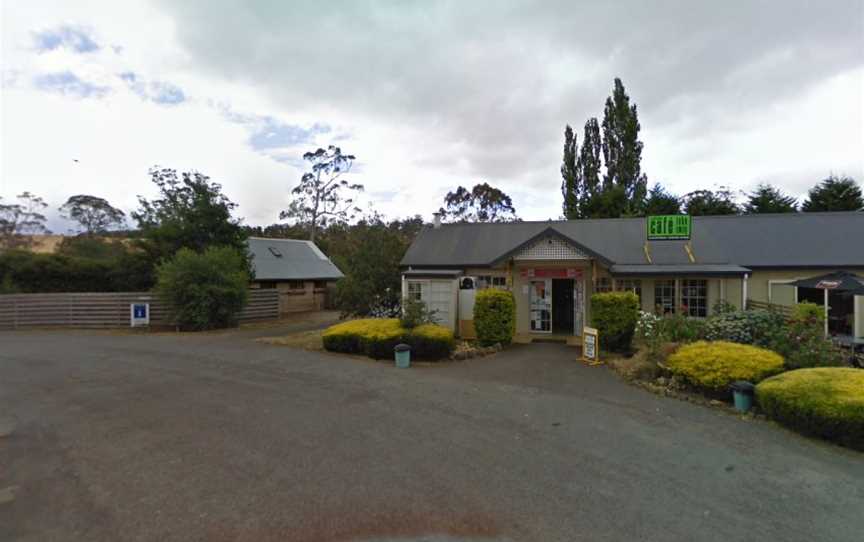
{"x":562,"y":306}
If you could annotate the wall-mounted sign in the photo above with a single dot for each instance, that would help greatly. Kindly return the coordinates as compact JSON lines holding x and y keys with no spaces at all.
{"x":668,"y":227}
{"x":551,"y":273}
{"x":139,"y":314}
{"x":590,"y":345}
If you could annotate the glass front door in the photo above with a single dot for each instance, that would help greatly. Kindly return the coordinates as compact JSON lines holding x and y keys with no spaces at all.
{"x":541,"y":306}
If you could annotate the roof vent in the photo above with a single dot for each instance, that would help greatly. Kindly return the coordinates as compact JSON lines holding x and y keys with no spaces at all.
{"x":275,"y":251}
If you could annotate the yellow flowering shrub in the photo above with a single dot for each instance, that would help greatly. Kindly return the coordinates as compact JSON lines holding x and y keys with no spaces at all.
{"x":376,"y":338}
{"x":825,"y":401}
{"x":715,"y":365}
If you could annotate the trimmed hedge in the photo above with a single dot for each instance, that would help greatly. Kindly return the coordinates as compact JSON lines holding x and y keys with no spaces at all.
{"x":827,"y":402}
{"x":714,"y":366}
{"x":376,"y":338}
{"x":615,"y":314}
{"x":494,"y":316}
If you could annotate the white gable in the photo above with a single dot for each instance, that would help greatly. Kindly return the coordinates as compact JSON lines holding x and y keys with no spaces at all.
{"x":551,"y":248}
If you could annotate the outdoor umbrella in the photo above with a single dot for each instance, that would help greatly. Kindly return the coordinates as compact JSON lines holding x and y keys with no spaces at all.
{"x":839,"y":281}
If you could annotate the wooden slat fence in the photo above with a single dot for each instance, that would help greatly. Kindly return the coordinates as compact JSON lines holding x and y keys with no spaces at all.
{"x":107,"y":310}
{"x":785,"y":310}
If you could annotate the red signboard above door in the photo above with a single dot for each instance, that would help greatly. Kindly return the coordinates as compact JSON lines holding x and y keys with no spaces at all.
{"x":551,"y":273}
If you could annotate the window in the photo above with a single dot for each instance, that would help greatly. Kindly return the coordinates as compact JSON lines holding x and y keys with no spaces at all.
{"x":296,"y":285}
{"x":267,"y":285}
{"x":491,"y":281}
{"x":415,"y":290}
{"x":320,"y":284}
{"x":630,"y":285}
{"x":603,"y":284}
{"x":664,"y":296}
{"x":694,"y":298}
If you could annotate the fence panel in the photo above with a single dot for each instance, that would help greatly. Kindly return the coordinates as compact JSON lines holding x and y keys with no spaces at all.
{"x":107,"y":310}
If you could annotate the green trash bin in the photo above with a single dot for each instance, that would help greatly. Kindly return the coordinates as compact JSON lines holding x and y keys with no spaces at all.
{"x":403,"y":356}
{"x":742,"y":393}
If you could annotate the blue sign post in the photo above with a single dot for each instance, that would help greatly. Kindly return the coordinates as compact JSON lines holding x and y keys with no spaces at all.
{"x":139,"y":314}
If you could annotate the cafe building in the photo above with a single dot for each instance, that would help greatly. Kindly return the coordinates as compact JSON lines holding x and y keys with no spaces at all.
{"x":675,"y":264}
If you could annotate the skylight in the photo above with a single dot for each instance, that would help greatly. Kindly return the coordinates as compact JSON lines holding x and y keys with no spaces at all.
{"x":275,"y":251}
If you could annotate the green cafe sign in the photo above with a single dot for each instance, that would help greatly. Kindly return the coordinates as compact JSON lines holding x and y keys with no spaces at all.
{"x":666,"y":227}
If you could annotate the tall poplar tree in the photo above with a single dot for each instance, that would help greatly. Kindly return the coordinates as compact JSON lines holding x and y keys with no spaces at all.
{"x":570,"y":185}
{"x":624,"y":185}
{"x":589,"y":165}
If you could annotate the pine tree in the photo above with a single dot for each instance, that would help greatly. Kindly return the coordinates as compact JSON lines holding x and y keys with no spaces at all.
{"x":708,"y":202}
{"x":834,"y":194}
{"x":624,"y":185}
{"x":661,"y":202}
{"x":570,"y":186}
{"x":769,"y":199}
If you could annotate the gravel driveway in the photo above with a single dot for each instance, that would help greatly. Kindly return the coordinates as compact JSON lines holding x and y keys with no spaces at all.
{"x":217,"y":437}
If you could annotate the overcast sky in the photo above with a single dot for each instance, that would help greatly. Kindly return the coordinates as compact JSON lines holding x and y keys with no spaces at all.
{"x":428,"y":95}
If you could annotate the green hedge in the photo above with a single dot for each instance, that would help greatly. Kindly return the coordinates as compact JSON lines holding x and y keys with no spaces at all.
{"x":713,"y":366}
{"x":494,"y":316}
{"x":26,"y":272}
{"x":376,"y":338}
{"x":827,"y":402}
{"x":615,"y":314}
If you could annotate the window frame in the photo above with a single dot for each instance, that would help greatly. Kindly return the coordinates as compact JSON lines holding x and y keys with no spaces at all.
{"x":660,"y":304}
{"x":700,"y":302}
{"x":603,"y":285}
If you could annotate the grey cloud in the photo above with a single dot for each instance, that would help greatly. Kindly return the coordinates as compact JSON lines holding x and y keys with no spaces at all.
{"x":504,"y":77}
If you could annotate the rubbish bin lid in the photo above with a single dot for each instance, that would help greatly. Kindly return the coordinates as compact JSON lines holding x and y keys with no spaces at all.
{"x":402,"y":347}
{"x":743,"y":386}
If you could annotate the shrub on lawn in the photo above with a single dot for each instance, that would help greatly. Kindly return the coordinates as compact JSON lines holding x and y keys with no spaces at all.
{"x":713,"y":366}
{"x":825,"y":402}
{"x":204,"y":290}
{"x":615,"y":314}
{"x":376,"y":338}
{"x":494,"y":316}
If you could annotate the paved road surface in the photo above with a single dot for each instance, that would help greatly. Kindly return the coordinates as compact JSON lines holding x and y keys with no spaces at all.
{"x":221,"y":438}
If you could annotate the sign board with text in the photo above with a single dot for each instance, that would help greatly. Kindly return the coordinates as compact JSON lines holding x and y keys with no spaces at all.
{"x":669,"y":227}
{"x":551,"y":273}
{"x":590,"y":345}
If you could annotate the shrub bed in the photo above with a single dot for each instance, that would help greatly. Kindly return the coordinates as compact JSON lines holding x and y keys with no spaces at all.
{"x":713,"y":366}
{"x":826,"y":402}
{"x":376,"y":338}
{"x":615,"y":314}
{"x":494,"y":316}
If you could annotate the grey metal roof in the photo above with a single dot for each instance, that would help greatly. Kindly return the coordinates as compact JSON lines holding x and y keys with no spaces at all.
{"x":290,"y":259}
{"x":433,"y":272}
{"x":771,"y":240}
{"x":650,"y":270}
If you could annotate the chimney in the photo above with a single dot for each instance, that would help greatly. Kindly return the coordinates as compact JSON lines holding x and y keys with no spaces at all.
{"x":436,"y":220}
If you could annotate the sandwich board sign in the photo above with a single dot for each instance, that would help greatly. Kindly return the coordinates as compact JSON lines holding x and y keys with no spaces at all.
{"x":139,"y":314}
{"x":590,"y":345}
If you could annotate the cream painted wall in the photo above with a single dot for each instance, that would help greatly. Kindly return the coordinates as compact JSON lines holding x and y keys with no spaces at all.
{"x":859,"y":314}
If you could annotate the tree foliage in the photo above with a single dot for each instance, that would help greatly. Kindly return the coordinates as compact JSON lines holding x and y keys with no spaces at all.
{"x":204,"y":290}
{"x":710,"y":202}
{"x":662,"y":202}
{"x":624,"y":185}
{"x":369,"y":253}
{"x":320,"y":198}
{"x":483,"y":203}
{"x":570,"y":181}
{"x":21,"y":219}
{"x":769,"y":199}
{"x":190,"y":212}
{"x":93,"y":214}
{"x":834,"y":194}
